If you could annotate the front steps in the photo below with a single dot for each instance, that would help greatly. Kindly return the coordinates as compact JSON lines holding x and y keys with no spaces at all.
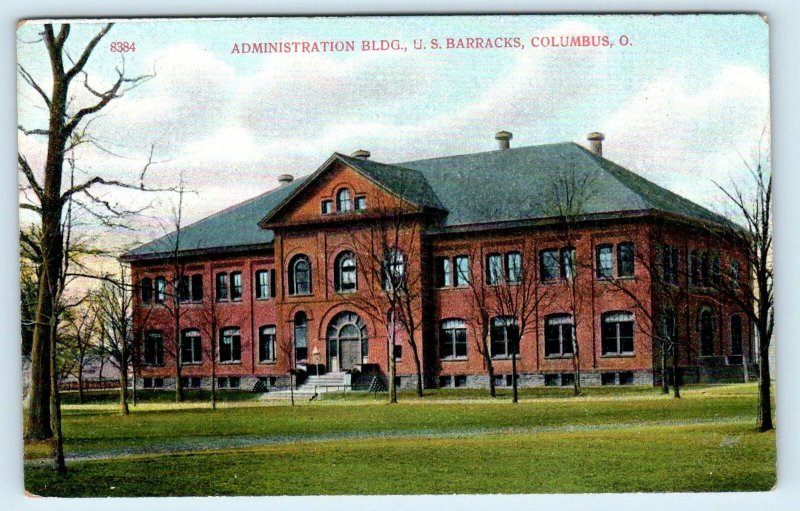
{"x":312,"y":387}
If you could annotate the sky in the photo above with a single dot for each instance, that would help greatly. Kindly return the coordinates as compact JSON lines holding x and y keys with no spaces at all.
{"x":682,"y":100}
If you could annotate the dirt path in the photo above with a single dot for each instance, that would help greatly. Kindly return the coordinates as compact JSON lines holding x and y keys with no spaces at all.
{"x":185,"y":445}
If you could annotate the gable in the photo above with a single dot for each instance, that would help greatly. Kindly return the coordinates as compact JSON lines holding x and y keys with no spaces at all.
{"x":305,"y":205}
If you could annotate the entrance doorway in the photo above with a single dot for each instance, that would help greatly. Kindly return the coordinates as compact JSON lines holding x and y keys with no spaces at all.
{"x":347,"y":342}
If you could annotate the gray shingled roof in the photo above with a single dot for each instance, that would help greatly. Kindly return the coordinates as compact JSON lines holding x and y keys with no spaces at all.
{"x":518,"y":184}
{"x":490,"y":187}
{"x":236,"y":226}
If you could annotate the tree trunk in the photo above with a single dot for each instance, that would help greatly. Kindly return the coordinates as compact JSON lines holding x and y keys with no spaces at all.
{"x":80,"y":384}
{"x":664,"y":382}
{"x":676,"y":387}
{"x":764,"y":402}
{"x":55,"y":412}
{"x":515,"y":398}
{"x":37,"y":414}
{"x":418,"y":367}
{"x":123,"y":391}
{"x":489,"y":370}
{"x":392,"y":374}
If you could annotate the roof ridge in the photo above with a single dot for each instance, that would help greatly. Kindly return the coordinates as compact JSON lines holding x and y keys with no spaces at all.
{"x":513,"y":149}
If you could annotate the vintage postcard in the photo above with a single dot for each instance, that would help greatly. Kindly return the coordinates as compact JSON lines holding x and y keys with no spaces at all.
{"x":396,"y":255}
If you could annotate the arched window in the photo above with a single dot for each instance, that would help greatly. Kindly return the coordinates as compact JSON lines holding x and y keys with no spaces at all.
{"x":345,"y":279}
{"x":394,"y":269}
{"x":617,"y":333}
{"x":301,"y":336}
{"x":343,"y":202}
{"x":706,"y":329}
{"x":266,"y":344}
{"x":453,"y":339}
{"x":736,"y":335}
{"x":230,"y":345}
{"x":502,"y":343}
{"x":191,"y":346}
{"x":300,"y":275}
{"x":559,"y":333}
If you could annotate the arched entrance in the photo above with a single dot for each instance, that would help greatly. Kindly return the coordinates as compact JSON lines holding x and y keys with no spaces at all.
{"x":346,"y":341}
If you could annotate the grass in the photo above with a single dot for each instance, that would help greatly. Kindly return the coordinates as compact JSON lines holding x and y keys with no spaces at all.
{"x":605,"y":441}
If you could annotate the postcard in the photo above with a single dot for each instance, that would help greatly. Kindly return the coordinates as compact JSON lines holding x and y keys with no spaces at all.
{"x":405,"y":255}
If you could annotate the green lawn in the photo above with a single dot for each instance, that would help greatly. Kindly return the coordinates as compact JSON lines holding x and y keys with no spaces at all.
{"x":605,"y":441}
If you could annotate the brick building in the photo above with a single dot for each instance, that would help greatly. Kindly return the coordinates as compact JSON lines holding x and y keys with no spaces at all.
{"x":596,"y":266}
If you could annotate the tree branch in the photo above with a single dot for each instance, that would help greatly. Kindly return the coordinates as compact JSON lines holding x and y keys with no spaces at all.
{"x":86,"y":52}
{"x":30,"y":81}
{"x":26,"y":169}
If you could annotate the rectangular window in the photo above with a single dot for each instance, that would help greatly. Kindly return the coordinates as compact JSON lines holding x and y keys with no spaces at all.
{"x":694,"y":268}
{"x":445,"y":381}
{"x":183,"y":288}
{"x":266,"y":344}
{"x":398,"y":351}
{"x":617,"y":333}
{"x":499,"y":380}
{"x":716,"y":271}
{"x":548,"y":265}
{"x":443,"y":272}
{"x":670,"y":258}
{"x":222,"y":287}
{"x":625,"y":260}
{"x":626,"y":378}
{"x":567,"y":379}
{"x":327,"y":207}
{"x":567,"y":263}
{"x":502,"y":343}
{"x":552,"y":380}
{"x":230,"y":345}
{"x":262,"y":285}
{"x":161,"y":289}
{"x":513,"y":267}
{"x":605,"y":262}
{"x":146,"y":286}
{"x":190,"y":382}
{"x":197,"y":288}
{"x":608,"y":378}
{"x":460,"y":380}
{"x":494,"y":269}
{"x":361,"y":203}
{"x":154,"y":348}
{"x":462,"y":271}
{"x":191,"y":347}
{"x":154,"y":383}
{"x":559,"y":333}
{"x":236,"y":286}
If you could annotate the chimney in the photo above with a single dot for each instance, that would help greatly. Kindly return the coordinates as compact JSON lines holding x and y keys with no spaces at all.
{"x":504,"y":139}
{"x":361,"y":153}
{"x":285,"y":179}
{"x":596,"y":142}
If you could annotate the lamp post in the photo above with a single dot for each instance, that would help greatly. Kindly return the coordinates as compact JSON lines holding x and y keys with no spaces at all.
{"x":315,"y":357}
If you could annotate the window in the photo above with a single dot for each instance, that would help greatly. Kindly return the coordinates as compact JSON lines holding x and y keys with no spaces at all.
{"x":552,"y":380}
{"x":669,"y":328}
{"x":706,"y":328}
{"x":733,"y":273}
{"x":608,"y":378}
{"x":398,"y":351}
{"x":343,"y":203}
{"x":300,"y":276}
{"x":499,"y":380}
{"x":161,"y":289}
{"x":345,"y":278}
{"x":394,"y":269}
{"x":626,"y":378}
{"x":705,"y":269}
{"x":154,"y":349}
{"x":197,"y":288}
{"x":222,"y":287}
{"x":229,"y":382}
{"x":183,"y":288}
{"x":502,"y":343}
{"x":191,"y":347}
{"x":236,"y":286}
{"x":462,"y":271}
{"x":361,"y":203}
{"x":605,"y":262}
{"x":146,"y":286}
{"x":567,"y":263}
{"x":736,"y":335}
{"x":154,"y":383}
{"x":670,"y":260}
{"x":327,"y":207}
{"x":549,"y":265}
{"x":625,"y":260}
{"x":266,"y":344}
{"x":460,"y":380}
{"x":263,"y":285}
{"x":617,"y":333}
{"x":513,"y":267}
{"x":444,"y":274}
{"x":559,"y":334}
{"x":190,"y":382}
{"x":301,"y":336}
{"x":453,"y":339}
{"x":445,"y":381}
{"x":567,"y":379}
{"x":494,"y":269}
{"x":230,"y":345}
{"x":716,"y":271}
{"x":694,"y":268}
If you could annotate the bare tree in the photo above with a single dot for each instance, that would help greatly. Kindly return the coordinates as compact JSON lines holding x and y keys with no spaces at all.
{"x":79,"y":341}
{"x":751,"y":202}
{"x":209,"y":320}
{"x":67,"y":128}
{"x":482,"y":311}
{"x":383,"y":239}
